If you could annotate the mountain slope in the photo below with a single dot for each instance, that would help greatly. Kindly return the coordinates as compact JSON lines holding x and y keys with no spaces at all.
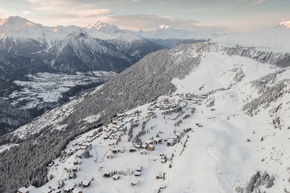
{"x":29,"y":50}
{"x":233,"y":107}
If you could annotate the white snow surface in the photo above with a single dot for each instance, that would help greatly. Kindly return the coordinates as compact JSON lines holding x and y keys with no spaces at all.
{"x":20,"y":28}
{"x":49,"y":87}
{"x":270,"y":40}
{"x":222,"y":150}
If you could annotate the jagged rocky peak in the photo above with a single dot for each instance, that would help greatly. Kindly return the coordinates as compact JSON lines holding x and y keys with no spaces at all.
{"x":105,"y":27}
{"x":285,"y":24}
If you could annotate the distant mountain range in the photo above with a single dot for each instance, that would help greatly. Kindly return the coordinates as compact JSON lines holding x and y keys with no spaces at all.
{"x":27,"y":50}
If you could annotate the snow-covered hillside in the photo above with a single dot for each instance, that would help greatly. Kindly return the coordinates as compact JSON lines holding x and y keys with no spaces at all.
{"x":28,"y":49}
{"x":226,"y":123}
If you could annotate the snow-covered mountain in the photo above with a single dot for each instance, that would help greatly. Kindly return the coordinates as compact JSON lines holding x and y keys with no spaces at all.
{"x":204,"y":117}
{"x":27,"y":48}
{"x":168,"y":32}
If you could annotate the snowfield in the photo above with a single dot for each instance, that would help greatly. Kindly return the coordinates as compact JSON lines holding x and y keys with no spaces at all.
{"x":214,"y":133}
{"x":49,"y":87}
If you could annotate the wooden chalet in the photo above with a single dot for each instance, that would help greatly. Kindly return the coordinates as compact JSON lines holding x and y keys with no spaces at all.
{"x":132,"y":149}
{"x":116,"y":177}
{"x":160,"y":175}
{"x":157,"y":140}
{"x":134,"y":182}
{"x":151,"y":147}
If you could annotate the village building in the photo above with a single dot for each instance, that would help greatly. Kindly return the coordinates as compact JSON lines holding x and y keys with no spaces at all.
{"x":178,"y":135}
{"x":149,"y":141}
{"x":115,"y":150}
{"x":139,"y":168}
{"x":157,"y":140}
{"x":72,"y":176}
{"x":151,"y":147}
{"x":144,"y":145}
{"x":87,"y":182}
{"x":109,"y":174}
{"x":74,"y":168}
{"x":163,"y":159}
{"x":116,"y":177}
{"x":171,"y":142}
{"x":160,"y":175}
{"x":134,"y":182}
{"x":137,"y":173}
{"x":132,"y":149}
{"x":80,"y":154}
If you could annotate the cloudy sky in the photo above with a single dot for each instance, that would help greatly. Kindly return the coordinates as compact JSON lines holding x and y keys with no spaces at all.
{"x":235,"y":15}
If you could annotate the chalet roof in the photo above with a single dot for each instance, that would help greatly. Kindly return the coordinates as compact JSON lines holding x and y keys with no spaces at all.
{"x":149,"y":141}
{"x":86,"y":182}
{"x":114,"y":149}
{"x":139,"y":168}
{"x":116,"y":177}
{"x":157,"y":139}
{"x":134,"y":181}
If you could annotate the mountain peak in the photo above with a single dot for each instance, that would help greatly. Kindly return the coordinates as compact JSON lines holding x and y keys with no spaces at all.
{"x":285,"y":24}
{"x":164,"y":26}
{"x":101,"y":25}
{"x":16,"y":21}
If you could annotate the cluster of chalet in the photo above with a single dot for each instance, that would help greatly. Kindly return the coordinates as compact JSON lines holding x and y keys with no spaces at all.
{"x":167,"y":105}
{"x":176,"y":137}
{"x":150,"y":144}
{"x":115,"y":175}
{"x":112,"y":133}
{"x":80,"y":147}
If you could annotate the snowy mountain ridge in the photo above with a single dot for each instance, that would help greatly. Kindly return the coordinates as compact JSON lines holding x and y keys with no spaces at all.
{"x":285,"y":24}
{"x":18,"y":27}
{"x":221,"y":118}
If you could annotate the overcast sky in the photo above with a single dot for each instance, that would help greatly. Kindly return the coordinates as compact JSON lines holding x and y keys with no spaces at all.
{"x":236,"y":15}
